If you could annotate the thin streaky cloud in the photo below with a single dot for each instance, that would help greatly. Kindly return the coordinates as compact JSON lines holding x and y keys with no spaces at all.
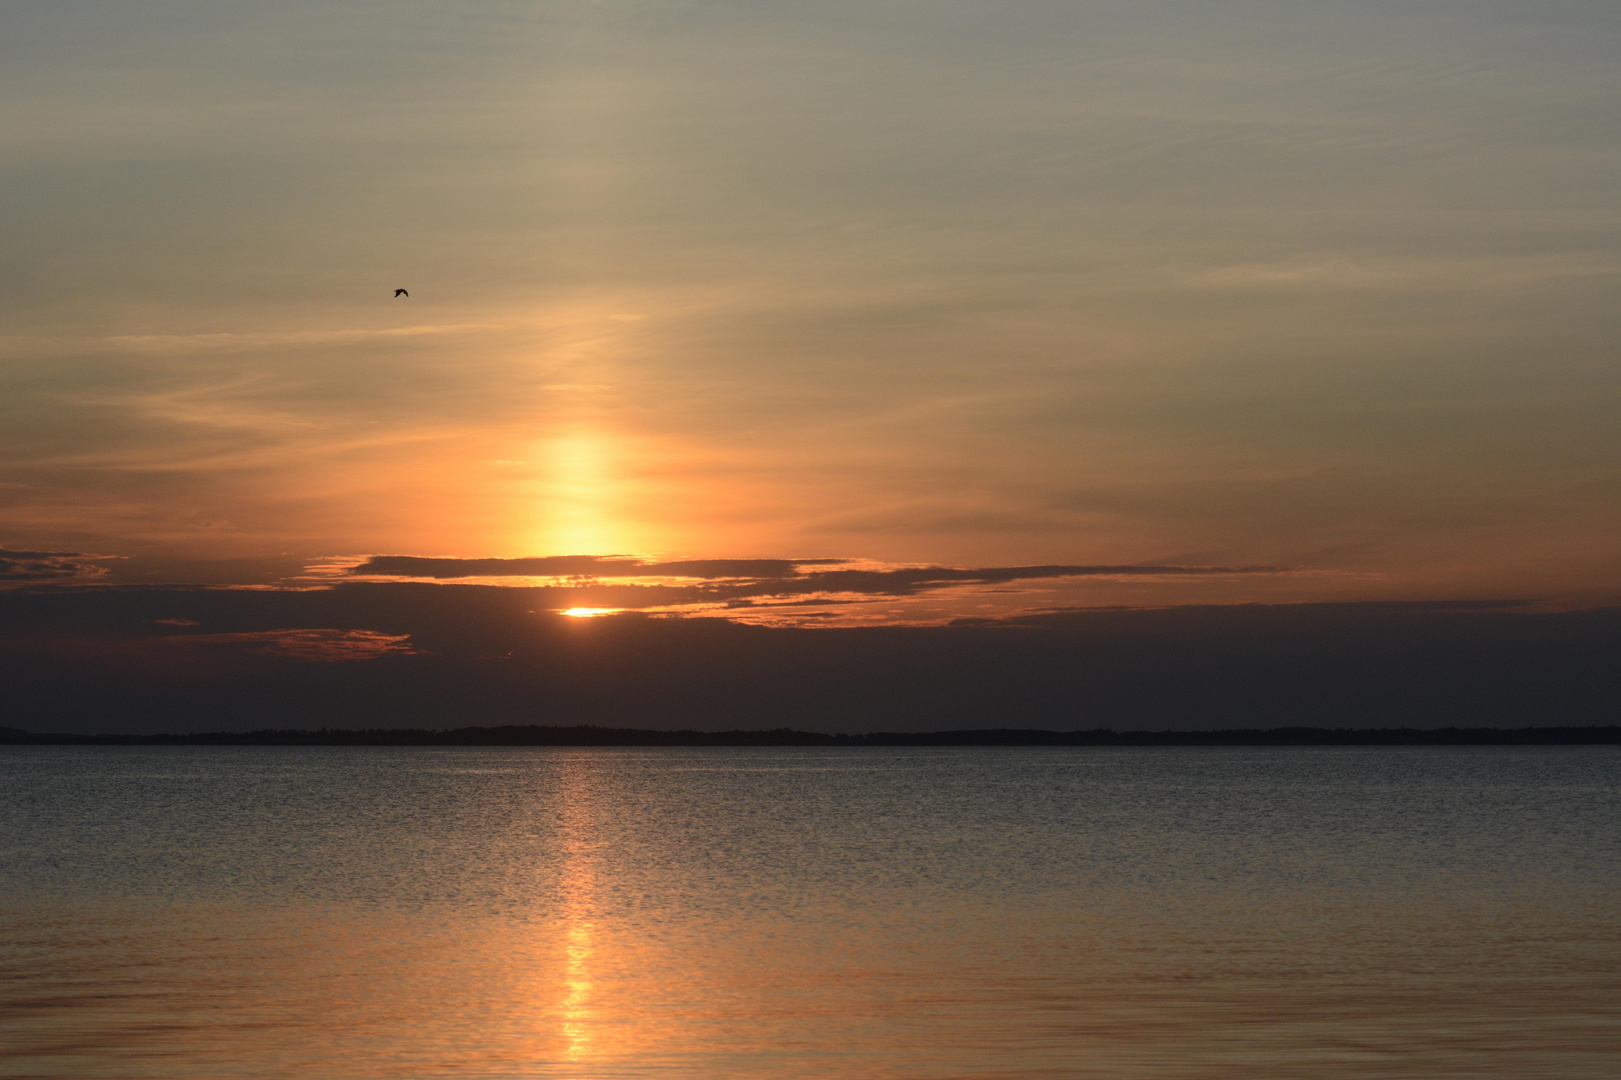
{"x":246,"y":342}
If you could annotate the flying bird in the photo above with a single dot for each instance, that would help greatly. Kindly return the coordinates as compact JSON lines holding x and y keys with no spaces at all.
{"x":401,"y":292}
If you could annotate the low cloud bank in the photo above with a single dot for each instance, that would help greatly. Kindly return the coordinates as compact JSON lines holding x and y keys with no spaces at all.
{"x":135,"y":659}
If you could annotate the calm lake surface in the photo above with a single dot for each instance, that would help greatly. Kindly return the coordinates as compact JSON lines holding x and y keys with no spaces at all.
{"x":719,"y":913}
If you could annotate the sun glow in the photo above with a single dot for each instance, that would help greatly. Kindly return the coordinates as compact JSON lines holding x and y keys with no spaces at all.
{"x":578,"y":494}
{"x":590,"y":612}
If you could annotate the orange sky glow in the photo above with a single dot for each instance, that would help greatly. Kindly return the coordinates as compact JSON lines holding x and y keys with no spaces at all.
{"x":1083,"y":288}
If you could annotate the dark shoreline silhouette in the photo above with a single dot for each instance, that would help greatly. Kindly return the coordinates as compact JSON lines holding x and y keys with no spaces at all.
{"x":592,"y":735}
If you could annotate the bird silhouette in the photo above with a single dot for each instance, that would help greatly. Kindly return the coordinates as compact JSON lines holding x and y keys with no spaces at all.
{"x":401,"y":292}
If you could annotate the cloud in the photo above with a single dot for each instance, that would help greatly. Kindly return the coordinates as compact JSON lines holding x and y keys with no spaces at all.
{"x":174,"y":344}
{"x":1348,"y":273}
{"x":317,"y":645}
{"x":593,"y":566}
{"x":31,"y":567}
{"x":910,"y":581}
{"x":110,"y":658}
{"x":737,"y":582}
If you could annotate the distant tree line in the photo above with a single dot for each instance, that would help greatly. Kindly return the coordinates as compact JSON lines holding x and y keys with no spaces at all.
{"x":593,"y":735}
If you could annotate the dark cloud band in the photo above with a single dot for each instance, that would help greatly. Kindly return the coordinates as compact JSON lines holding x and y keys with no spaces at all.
{"x":26,"y":567}
{"x":110,"y":658}
{"x":729,"y":580}
{"x":593,"y":566}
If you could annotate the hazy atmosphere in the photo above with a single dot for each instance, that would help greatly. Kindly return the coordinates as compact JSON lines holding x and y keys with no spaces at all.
{"x":815,"y":540}
{"x":1324,"y":288}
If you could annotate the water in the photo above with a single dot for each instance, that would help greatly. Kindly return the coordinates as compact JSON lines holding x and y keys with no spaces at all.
{"x":919,"y":913}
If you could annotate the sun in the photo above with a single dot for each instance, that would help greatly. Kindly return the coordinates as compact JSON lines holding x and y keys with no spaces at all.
{"x":590,"y":612}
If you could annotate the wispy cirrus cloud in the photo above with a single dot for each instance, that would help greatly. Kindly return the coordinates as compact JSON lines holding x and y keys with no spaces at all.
{"x":253,"y":342}
{"x":1362,"y":273}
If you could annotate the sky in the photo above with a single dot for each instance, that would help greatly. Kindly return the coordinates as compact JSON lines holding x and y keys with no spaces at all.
{"x":1305,"y":301}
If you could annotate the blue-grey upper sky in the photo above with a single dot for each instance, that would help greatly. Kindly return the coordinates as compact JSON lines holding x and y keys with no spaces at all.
{"x":1329,"y":286}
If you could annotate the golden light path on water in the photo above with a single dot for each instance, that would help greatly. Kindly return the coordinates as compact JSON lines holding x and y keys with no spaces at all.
{"x":578,"y":890}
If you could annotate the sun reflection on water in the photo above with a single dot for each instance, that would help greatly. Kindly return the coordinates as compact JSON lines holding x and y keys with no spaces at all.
{"x":577,"y":1002}
{"x":729,"y":915}
{"x":578,"y":889}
